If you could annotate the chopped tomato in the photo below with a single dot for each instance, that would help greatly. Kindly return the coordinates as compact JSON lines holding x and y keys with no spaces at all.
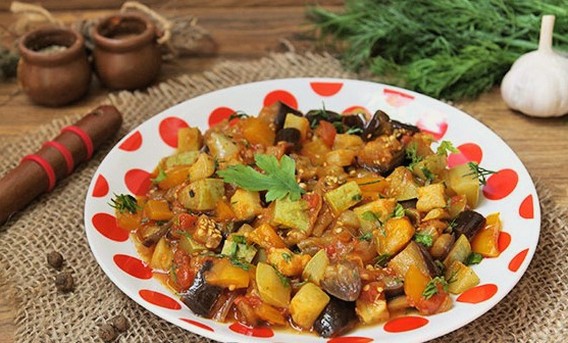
{"x":439,"y":302}
{"x":326,"y":131}
{"x":183,"y":273}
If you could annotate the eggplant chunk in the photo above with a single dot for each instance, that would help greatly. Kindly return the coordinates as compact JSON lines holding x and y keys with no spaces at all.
{"x":289,"y":135}
{"x":342,"y":280}
{"x":381,"y":155}
{"x":282,"y":112}
{"x":394,"y":286}
{"x":201,"y":296}
{"x":152,"y":234}
{"x":353,"y":121}
{"x":377,"y":126}
{"x":432,"y":267}
{"x":317,"y":115}
{"x":336,"y":318}
{"x":469,"y":223}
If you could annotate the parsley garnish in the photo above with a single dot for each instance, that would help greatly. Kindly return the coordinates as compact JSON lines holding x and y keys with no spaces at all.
{"x":124,"y":203}
{"x":412,"y":154}
{"x":354,"y":130}
{"x":432,"y":287}
{"x":398,"y":211}
{"x":161,"y":176}
{"x":445,"y":147}
{"x":371,"y":216}
{"x":240,"y":239}
{"x":428,"y":174}
{"x":367,"y":236}
{"x":473,"y":258}
{"x":238,"y":263}
{"x":479,"y":172}
{"x":278,"y":179}
{"x":424,"y":239}
{"x":285,"y":281}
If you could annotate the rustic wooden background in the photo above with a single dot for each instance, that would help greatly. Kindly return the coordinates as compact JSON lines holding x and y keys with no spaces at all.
{"x":248,"y":29}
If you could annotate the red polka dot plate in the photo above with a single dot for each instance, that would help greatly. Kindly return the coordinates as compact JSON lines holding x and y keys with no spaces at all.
{"x":127,"y":167}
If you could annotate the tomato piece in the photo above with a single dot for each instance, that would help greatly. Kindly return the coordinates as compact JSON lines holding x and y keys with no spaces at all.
{"x":326,"y":131}
{"x":186,"y":221}
{"x":439,"y":302}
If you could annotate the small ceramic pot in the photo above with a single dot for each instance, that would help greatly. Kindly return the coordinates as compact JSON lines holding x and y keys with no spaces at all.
{"x":53,"y":69}
{"x":126,"y":54}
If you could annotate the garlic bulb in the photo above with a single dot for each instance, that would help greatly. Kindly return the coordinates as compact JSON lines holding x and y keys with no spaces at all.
{"x":537,"y":83}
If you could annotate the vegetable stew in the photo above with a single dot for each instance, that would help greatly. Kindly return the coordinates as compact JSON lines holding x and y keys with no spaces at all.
{"x":318,"y":221}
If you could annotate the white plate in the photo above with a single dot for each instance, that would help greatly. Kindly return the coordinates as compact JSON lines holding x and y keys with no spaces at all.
{"x":126,"y":170}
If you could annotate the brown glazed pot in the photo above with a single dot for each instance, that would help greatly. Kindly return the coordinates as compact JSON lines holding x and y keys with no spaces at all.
{"x":126,"y":54}
{"x":53,"y":78}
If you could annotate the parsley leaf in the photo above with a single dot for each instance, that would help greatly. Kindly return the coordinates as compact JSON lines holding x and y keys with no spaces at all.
{"x":278,"y":179}
{"x":398,"y":211}
{"x":382,"y":260}
{"x":445,"y":147}
{"x":411,"y":152}
{"x":287,"y":257}
{"x":367,"y":236}
{"x":424,"y":239}
{"x":473,"y":258}
{"x":240,"y":239}
{"x":161,"y":176}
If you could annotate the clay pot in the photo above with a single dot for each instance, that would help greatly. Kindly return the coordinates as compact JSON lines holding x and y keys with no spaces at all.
{"x":53,"y":69}
{"x":126,"y":54}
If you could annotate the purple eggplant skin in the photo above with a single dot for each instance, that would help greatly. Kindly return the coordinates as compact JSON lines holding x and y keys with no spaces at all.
{"x":336,"y":318}
{"x":201,"y":296}
{"x":314,"y":116}
{"x":342,"y":280}
{"x":433,"y":269}
{"x":381,"y":124}
{"x":283,"y":111}
{"x":468,"y":223}
{"x":353,"y":121}
{"x":290,"y":135}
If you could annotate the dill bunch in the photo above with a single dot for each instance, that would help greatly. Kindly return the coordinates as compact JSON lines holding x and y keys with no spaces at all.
{"x":450,"y":49}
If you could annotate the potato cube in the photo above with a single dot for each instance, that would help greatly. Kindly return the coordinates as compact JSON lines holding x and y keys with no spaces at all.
{"x":431,"y":197}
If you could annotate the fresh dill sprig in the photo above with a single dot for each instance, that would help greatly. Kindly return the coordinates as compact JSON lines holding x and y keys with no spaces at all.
{"x":479,"y":172}
{"x":445,"y":49}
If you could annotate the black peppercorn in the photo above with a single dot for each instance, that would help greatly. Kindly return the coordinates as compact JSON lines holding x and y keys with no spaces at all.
{"x":107,"y":333}
{"x":55,"y":260}
{"x":64,"y":282}
{"x":120,"y":323}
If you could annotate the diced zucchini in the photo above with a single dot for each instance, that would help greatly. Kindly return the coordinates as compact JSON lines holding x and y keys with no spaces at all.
{"x":202,"y":195}
{"x":241,"y":251}
{"x":460,"y":278}
{"x":411,"y":255}
{"x":203,"y":168}
{"x":221,"y":146}
{"x":273,"y":288}
{"x":307,"y":305}
{"x":189,"y":245}
{"x":459,"y":252}
{"x":315,"y":269}
{"x":372,"y":312}
{"x":297,"y":122}
{"x":291,"y":214}
{"x":182,"y":158}
{"x":464,"y":182}
{"x":245,"y":204}
{"x":374,"y":211}
{"x":402,"y":185}
{"x":431,"y":197}
{"x":344,"y":197}
{"x":163,"y":256}
{"x":189,"y":139}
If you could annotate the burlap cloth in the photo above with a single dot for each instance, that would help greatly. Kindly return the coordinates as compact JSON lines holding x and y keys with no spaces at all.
{"x":535,"y":310}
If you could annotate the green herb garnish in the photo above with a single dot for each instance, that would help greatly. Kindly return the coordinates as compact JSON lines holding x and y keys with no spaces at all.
{"x":432,"y":287}
{"x":445,"y":147}
{"x":240,"y":239}
{"x":367,"y":236}
{"x":371,"y":216}
{"x":287,"y":257}
{"x":161,"y":176}
{"x":424,"y":239}
{"x":428,"y":174}
{"x":411,"y":152}
{"x":473,"y":258}
{"x":446,"y":49}
{"x":124,"y":203}
{"x":399,"y":211}
{"x":382,"y":260}
{"x":238,"y":263}
{"x":278,"y":179}
{"x":354,"y":130}
{"x":284,"y":280}
{"x":479,"y":172}
{"x":238,"y":115}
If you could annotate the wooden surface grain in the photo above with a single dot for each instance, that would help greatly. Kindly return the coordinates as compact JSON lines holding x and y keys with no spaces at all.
{"x":248,"y":29}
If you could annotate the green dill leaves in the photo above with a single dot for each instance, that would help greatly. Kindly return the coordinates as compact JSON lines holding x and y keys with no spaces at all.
{"x":479,"y":172}
{"x":412,"y":154}
{"x":426,"y":47}
{"x":432,"y":287}
{"x":423,"y":238}
{"x":381,"y":260}
{"x":445,"y":147}
{"x":278,"y":179}
{"x":473,"y":258}
{"x":124,"y":203}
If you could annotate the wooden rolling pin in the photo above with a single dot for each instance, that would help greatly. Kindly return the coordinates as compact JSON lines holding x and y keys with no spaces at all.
{"x":39,"y":172}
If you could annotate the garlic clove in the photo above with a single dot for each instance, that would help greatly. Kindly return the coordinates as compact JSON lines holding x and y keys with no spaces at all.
{"x":537,"y":84}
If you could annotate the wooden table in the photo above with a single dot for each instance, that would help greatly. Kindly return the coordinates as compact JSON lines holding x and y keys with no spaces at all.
{"x":248,"y":29}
